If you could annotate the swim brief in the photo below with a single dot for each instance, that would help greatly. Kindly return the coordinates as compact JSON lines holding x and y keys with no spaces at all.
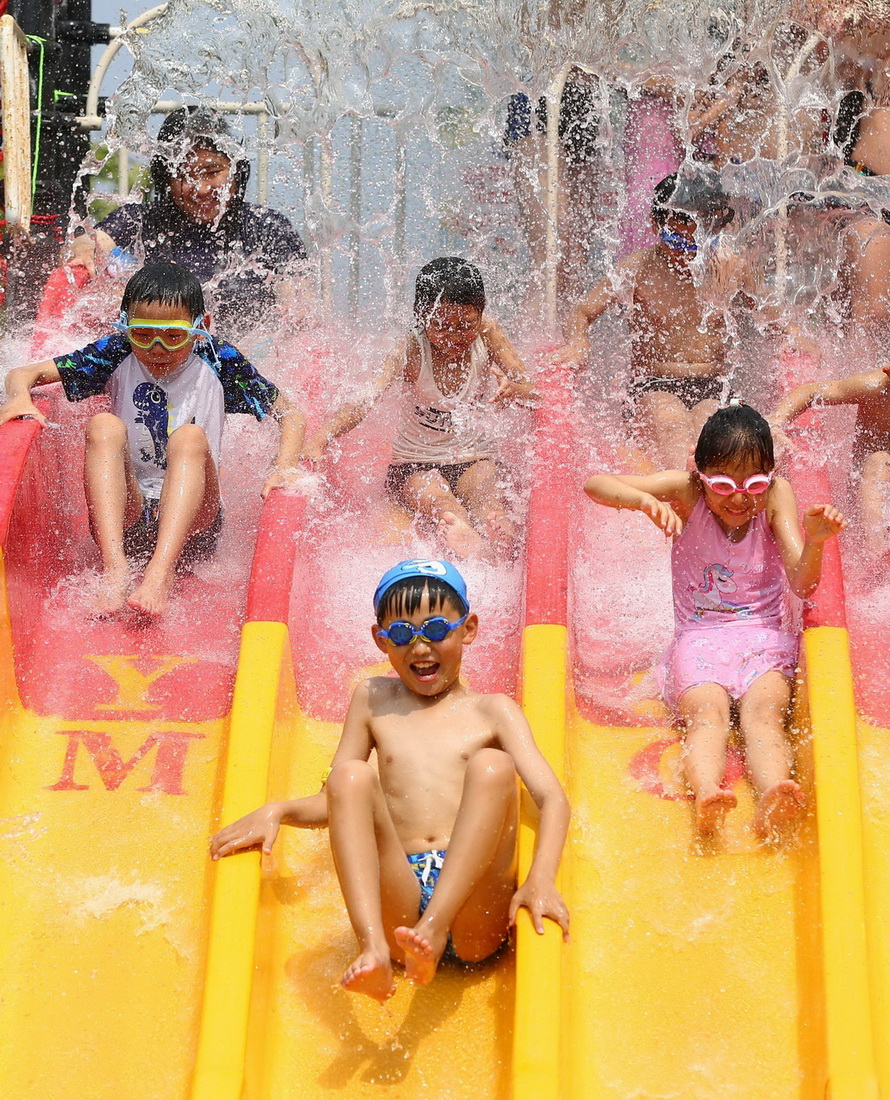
{"x":399,"y":472}
{"x":427,"y":866}
{"x":730,"y":655}
{"x":690,"y":390}
{"x":141,"y":538}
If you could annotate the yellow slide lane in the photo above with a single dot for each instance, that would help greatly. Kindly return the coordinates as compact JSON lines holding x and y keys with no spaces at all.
{"x":736,"y":972}
{"x":104,"y":898}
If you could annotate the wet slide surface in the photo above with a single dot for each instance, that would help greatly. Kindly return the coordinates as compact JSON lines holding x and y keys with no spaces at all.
{"x":689,"y":974}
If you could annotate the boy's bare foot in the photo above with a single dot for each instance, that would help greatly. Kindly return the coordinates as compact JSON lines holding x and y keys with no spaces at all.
{"x":149,"y":599}
{"x":371,"y":974}
{"x":112,"y":593}
{"x":779,"y":809}
{"x":421,"y":957}
{"x":710,"y":811}
{"x":460,"y":537}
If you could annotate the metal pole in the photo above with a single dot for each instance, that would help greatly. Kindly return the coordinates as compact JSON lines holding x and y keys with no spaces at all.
{"x":551,"y":243}
{"x":355,"y":211}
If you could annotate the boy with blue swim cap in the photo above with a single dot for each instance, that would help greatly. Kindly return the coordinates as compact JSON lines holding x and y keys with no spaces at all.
{"x":445,"y":786}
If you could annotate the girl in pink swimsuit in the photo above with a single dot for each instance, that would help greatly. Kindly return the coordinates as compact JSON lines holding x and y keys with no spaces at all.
{"x":736,"y":543}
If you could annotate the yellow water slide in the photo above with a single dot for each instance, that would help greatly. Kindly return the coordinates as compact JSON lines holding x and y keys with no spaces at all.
{"x":133,"y":967}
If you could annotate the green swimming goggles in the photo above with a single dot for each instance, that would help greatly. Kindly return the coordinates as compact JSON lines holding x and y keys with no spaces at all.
{"x":436,"y":629}
{"x":172,"y":335}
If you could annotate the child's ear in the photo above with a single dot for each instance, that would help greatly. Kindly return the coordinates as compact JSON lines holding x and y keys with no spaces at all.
{"x":471,"y":628}
{"x":379,"y":642}
{"x":205,"y":322}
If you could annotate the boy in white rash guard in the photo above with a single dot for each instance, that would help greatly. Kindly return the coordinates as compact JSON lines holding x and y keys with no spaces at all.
{"x":151,"y":468}
{"x":454,"y":365}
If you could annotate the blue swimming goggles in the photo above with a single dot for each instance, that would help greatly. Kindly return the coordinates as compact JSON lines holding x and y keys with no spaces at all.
{"x":435,"y":629}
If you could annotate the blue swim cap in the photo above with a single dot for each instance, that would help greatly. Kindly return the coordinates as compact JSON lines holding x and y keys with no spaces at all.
{"x":421,"y":567}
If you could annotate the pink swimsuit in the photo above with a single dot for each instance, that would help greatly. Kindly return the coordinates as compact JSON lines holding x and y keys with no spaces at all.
{"x":728,"y":608}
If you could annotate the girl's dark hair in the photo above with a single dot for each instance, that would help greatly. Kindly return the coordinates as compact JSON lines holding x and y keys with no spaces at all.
{"x":169,"y":284}
{"x":661,"y":199}
{"x":447,"y":279}
{"x":735,"y":432}
{"x":404,"y":597}
{"x":202,"y":128}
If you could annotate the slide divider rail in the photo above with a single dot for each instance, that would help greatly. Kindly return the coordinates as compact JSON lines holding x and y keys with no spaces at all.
{"x":264,"y":693}
{"x":832,"y":712}
{"x":538,"y":1025}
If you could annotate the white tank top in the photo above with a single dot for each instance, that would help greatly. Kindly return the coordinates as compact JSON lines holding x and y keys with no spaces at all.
{"x":444,"y":430}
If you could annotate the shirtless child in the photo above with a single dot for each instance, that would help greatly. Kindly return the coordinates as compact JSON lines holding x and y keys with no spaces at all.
{"x":447,"y":761}
{"x":678,"y":349}
{"x":870,"y":392}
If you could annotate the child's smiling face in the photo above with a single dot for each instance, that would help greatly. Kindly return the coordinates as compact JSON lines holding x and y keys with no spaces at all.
{"x":428,"y":668}
{"x":158,"y":360}
{"x":738,"y":509}
{"x":452,"y":327}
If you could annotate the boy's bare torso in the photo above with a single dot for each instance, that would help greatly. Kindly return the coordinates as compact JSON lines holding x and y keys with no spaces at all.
{"x":671,"y":335}
{"x":422,"y":751}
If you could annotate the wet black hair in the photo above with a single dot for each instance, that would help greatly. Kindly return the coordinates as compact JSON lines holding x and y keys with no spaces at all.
{"x":447,"y":279}
{"x":661,"y":200}
{"x":202,"y":128}
{"x":169,"y":284}
{"x":733,"y":433}
{"x":404,"y":597}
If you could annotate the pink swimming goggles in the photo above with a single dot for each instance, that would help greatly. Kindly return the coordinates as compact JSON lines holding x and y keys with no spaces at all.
{"x":725,"y":486}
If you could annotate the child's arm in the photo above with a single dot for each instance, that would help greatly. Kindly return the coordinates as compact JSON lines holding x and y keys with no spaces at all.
{"x":843,"y":391}
{"x":293,"y":427}
{"x":18,"y":390}
{"x":260,"y":828}
{"x":666,"y":498}
{"x":515,"y":384}
{"x":538,"y":893}
{"x":801,"y":556}
{"x":577,"y":348}
{"x":352,"y":413}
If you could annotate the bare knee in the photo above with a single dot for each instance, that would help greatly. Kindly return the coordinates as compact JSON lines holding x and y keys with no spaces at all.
{"x":877,"y":466}
{"x":350,"y":778}
{"x":493,"y":769}
{"x":188,"y":439}
{"x":106,"y":428}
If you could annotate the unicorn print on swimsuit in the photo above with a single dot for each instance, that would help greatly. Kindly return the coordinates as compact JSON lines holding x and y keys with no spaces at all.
{"x":710,"y":595}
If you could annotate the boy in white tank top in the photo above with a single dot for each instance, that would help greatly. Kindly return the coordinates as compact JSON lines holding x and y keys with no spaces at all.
{"x":453,"y":367}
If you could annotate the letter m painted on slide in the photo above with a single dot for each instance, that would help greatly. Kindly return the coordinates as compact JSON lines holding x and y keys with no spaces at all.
{"x":166,"y":775}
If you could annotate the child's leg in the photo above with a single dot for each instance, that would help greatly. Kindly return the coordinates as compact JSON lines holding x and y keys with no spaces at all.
{"x":472,"y":897}
{"x":113,"y":502}
{"x":189,"y":503}
{"x":380,"y":889}
{"x":762,"y":712}
{"x":429,"y":496}
{"x":669,"y":426}
{"x":873,"y":488}
{"x":706,"y":716}
{"x":478,"y":488}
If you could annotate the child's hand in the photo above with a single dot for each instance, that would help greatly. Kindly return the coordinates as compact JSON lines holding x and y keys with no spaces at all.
{"x":257,"y":829}
{"x":662,"y":515}
{"x":289,"y":477}
{"x":17,"y":407}
{"x":576,"y":352}
{"x":822,"y":522}
{"x":510,"y":390}
{"x":542,"y":899}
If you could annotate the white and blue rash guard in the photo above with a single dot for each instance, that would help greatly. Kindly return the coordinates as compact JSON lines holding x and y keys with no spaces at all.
{"x":202,"y":391}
